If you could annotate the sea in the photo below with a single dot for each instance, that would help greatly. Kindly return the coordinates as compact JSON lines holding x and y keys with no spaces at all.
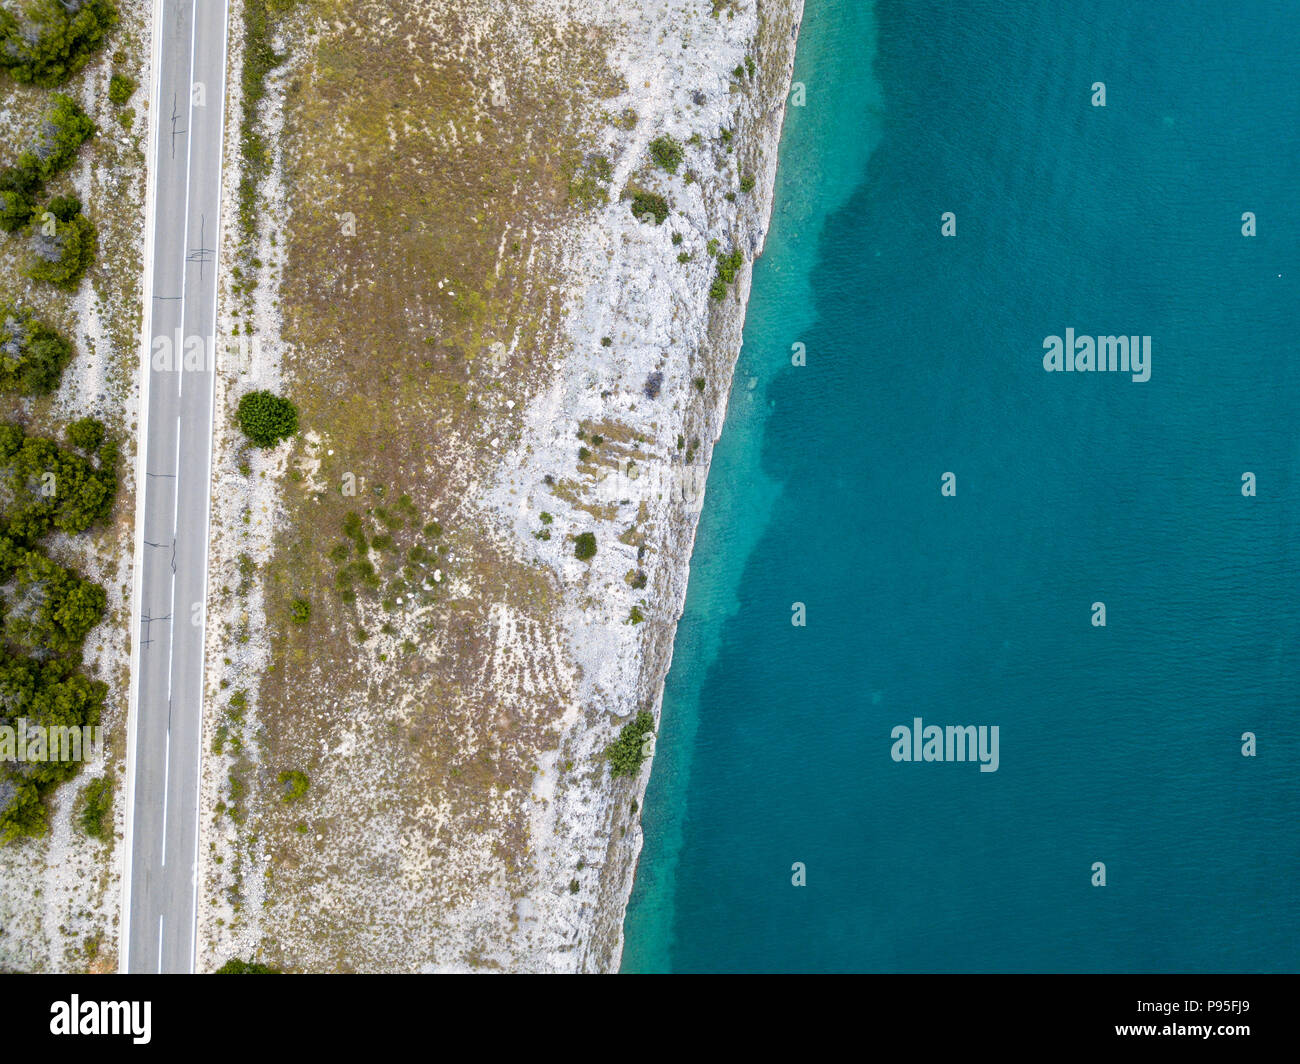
{"x":909,"y":518}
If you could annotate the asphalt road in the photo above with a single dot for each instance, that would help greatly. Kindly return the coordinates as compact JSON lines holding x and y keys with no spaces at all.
{"x":159,"y":889}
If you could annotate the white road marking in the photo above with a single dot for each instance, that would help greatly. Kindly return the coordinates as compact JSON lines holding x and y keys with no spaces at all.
{"x":167,"y":771}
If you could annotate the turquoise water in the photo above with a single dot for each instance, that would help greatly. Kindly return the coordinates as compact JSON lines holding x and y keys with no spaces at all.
{"x":1119,"y":744}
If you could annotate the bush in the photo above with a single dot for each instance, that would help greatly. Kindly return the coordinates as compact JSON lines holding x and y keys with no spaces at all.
{"x":87,"y":435}
{"x":45,"y":487}
{"x":95,"y":817}
{"x":667,"y":153}
{"x":62,"y":132}
{"x":300,"y":611}
{"x":32,"y":355}
{"x":727,"y":267}
{"x":16,"y":206}
{"x":294,"y":783}
{"x":266,"y":418}
{"x":649,"y":206}
{"x":51,"y":694}
{"x":628,"y":751}
{"x":52,"y":39}
{"x":51,"y":608}
{"x":120,"y":89}
{"x":62,"y":244}
{"x":584,"y":547}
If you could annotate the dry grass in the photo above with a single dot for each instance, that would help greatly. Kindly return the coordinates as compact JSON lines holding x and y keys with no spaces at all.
{"x":419,"y":722}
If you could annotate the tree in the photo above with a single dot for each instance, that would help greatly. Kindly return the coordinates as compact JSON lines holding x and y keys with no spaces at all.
{"x":266,"y":418}
{"x":44,"y":487}
{"x":45,"y":694}
{"x":32,"y":355}
{"x":16,"y":207}
{"x":52,"y":608}
{"x":62,"y":242}
{"x":62,"y":132}
{"x":50,"y":40}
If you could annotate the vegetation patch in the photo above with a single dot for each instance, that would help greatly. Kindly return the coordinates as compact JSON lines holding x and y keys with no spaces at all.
{"x":667,"y":153}
{"x":45,"y":42}
{"x":630,"y":749}
{"x":266,"y":418}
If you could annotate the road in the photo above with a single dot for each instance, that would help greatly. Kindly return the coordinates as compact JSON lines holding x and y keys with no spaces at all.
{"x":174,"y":458}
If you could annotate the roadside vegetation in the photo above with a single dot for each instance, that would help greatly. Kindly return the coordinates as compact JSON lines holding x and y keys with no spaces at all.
{"x":45,"y":42}
{"x":46,"y":609}
{"x":47,"y":488}
{"x":266,"y":418}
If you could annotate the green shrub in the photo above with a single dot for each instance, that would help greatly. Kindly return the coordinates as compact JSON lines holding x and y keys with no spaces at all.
{"x":667,"y":153}
{"x":294,"y":783}
{"x":649,"y":206}
{"x":300,"y":611}
{"x":16,"y":206}
{"x":266,"y":418}
{"x":86,"y":435}
{"x":95,"y":818}
{"x":627,"y":752}
{"x":728,"y":265}
{"x":32,"y":355}
{"x":51,"y":40}
{"x":62,"y":242}
{"x":50,"y":609}
{"x":45,"y":487}
{"x":584,"y":547}
{"x":62,"y":132}
{"x":120,"y":89}
{"x":52,"y":694}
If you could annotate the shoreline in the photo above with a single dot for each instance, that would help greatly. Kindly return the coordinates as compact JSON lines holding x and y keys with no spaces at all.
{"x":720,"y":345}
{"x":657,"y":669}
